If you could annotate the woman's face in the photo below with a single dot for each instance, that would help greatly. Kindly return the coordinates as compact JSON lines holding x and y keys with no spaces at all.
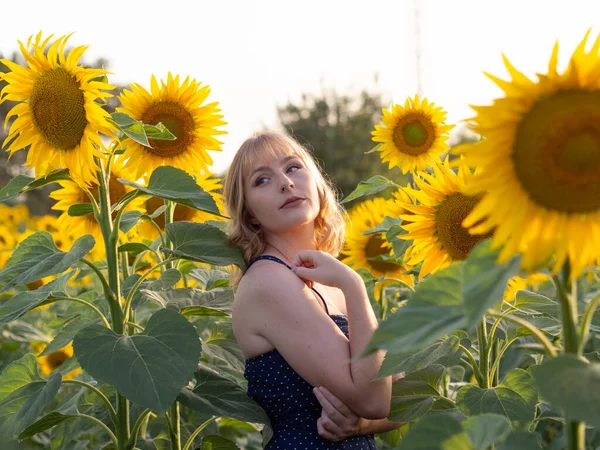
{"x":272,"y":184}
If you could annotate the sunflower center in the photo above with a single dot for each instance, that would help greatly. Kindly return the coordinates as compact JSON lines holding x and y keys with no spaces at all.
{"x":414,"y":134}
{"x":57,"y":109}
{"x":56,"y":359}
{"x":455,"y":239}
{"x":178,"y":120}
{"x":182,"y":213}
{"x":376,"y":246}
{"x":557,"y":152}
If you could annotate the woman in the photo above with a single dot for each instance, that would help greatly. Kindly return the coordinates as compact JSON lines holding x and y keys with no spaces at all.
{"x":300,"y":316}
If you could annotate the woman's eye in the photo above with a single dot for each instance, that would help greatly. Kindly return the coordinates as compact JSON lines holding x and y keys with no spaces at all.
{"x":259,"y":181}
{"x":296,"y":166}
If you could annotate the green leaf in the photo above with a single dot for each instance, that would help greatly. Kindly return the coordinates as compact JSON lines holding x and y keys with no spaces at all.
{"x":453,"y":298}
{"x":373,"y":185}
{"x":176,"y":185}
{"x":159,"y":361}
{"x":194,"y":302}
{"x":134,"y":248}
{"x":210,"y":278}
{"x":437,"y":353}
{"x":19,"y":373}
{"x":486,"y":429}
{"x":413,"y":395}
{"x":203,"y":243}
{"x":521,"y":440}
{"x":159,"y":132}
{"x":385,"y":225}
{"x":129,"y":219}
{"x":80,"y":209}
{"x":167,"y":279}
{"x":67,"y":333}
{"x":222,"y":351}
{"x":132,"y":128}
{"x":45,"y":423}
{"x":374,"y":149}
{"x":23,"y":183}
{"x":484,"y":280}
{"x":21,"y":408}
{"x":436,"y":432}
{"x":27,"y":300}
{"x":532,"y":303}
{"x":37,"y":257}
{"x":217,"y":395}
{"x":215,"y":442}
{"x":572,"y":385}
{"x":516,"y":399}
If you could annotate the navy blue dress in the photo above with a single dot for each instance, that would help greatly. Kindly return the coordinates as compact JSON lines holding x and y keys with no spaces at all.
{"x":289,"y":401}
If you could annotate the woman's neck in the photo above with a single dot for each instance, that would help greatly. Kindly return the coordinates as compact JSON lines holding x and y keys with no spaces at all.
{"x":289,"y":244}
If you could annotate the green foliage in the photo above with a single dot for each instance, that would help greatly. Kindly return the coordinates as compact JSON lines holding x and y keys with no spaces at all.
{"x":159,"y":361}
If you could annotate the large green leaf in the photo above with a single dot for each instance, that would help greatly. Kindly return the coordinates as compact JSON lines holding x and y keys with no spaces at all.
{"x":18,"y":373}
{"x":444,"y":352}
{"x":215,"y":442}
{"x":522,"y":440}
{"x":27,"y":300}
{"x":217,"y":395}
{"x":204,"y":243}
{"x":486,"y":429}
{"x":413,"y":395}
{"x":176,"y":185}
{"x":373,"y":185}
{"x":532,"y":303}
{"x":194,"y":302}
{"x":222,"y":351}
{"x":37,"y":257}
{"x":23,"y":183}
{"x":21,"y":408}
{"x":572,"y":385}
{"x":453,"y":298}
{"x":436,"y":432}
{"x":67,"y":333}
{"x":210,"y":278}
{"x":515,"y":398}
{"x":159,"y":361}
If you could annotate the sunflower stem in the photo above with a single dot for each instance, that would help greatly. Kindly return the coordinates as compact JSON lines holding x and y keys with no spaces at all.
{"x":569,"y":316}
{"x":83,"y":302}
{"x":100,"y":275}
{"x":169,"y":214}
{"x":482,"y":337}
{"x":104,"y":398}
{"x":535,"y":331}
{"x":473,"y":364}
{"x":587,"y":321}
{"x":196,"y":432}
{"x":175,"y":426}
{"x":101,"y":424}
{"x":137,"y":427}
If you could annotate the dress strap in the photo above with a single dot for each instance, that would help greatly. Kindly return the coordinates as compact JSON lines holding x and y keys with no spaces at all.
{"x":277,"y":260}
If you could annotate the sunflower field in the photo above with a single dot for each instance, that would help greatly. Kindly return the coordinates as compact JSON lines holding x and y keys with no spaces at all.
{"x":483,"y":269}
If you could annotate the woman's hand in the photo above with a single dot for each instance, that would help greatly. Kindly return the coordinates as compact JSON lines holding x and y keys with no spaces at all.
{"x":315,"y":265}
{"x":337,"y":421}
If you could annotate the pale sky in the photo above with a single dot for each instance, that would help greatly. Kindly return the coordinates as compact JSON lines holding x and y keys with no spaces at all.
{"x":257,"y":54}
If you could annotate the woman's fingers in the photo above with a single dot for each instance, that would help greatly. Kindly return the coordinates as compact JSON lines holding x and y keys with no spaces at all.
{"x":337,"y":403}
{"x":331,"y":410}
{"x":328,"y":429}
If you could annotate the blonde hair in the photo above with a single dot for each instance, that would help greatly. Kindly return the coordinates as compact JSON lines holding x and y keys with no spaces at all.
{"x":329,"y":223}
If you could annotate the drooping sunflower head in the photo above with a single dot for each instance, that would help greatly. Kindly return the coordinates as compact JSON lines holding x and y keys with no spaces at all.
{"x":54,"y":360}
{"x":206,"y":181}
{"x":540,"y":163}
{"x":517,"y":283}
{"x":180,"y":107}
{"x":368,"y":251}
{"x":71,"y":193}
{"x":434,"y":222}
{"x":58,"y":112}
{"x":413,"y":135}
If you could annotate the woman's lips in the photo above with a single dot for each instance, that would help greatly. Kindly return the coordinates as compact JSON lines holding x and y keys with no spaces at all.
{"x":292,"y":204}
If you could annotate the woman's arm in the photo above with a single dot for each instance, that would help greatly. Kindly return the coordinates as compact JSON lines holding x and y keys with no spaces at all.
{"x":338,"y":422}
{"x":288,"y":315}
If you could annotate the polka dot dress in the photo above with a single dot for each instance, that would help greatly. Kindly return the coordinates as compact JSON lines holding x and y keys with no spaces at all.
{"x":290,"y":403}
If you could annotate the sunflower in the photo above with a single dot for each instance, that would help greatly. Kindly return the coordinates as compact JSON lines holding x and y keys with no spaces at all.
{"x":8,"y":244}
{"x":365,"y":250}
{"x":517,"y":283}
{"x":540,"y":161}
{"x":179,"y":108}
{"x":71,"y":193}
{"x":58,"y":115}
{"x":206,"y":181}
{"x":434,"y":222}
{"x":52,"y":361}
{"x":412,"y":135}
{"x":14,"y":217}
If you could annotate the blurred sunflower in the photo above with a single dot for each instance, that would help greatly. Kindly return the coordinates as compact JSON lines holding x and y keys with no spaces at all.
{"x":206,"y":181}
{"x":179,"y":107}
{"x":434,"y":222}
{"x":368,"y":251}
{"x":412,"y":135}
{"x":14,"y":217}
{"x":71,"y":193}
{"x":540,"y":161}
{"x":517,"y":283}
{"x":8,"y":243}
{"x":58,"y":115}
{"x":52,"y":361}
